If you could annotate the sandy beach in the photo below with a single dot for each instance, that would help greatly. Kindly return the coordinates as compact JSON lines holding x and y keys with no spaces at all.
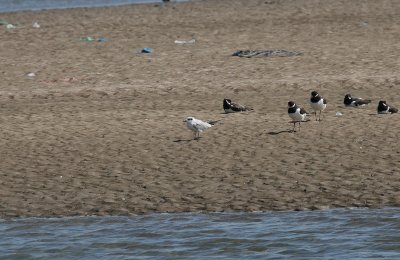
{"x":98,"y":128}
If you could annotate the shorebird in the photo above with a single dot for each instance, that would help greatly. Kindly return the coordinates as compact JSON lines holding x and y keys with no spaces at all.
{"x":231,"y":107}
{"x":197,"y":126}
{"x":297,"y":114}
{"x":318,"y":103}
{"x":384,"y":108}
{"x":355,"y":102}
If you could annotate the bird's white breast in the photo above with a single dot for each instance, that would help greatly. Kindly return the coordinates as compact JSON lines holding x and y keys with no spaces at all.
{"x":297,"y":116}
{"x":319,"y":105}
{"x":385,"y":111}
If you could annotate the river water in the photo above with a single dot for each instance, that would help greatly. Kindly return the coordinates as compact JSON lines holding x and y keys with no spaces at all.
{"x":325,"y":234}
{"x":33,"y":5}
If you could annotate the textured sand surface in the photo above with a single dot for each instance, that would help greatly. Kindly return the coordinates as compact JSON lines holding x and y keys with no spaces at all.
{"x":98,"y":129}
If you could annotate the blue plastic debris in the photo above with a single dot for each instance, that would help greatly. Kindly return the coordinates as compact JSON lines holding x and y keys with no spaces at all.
{"x":101,"y":39}
{"x":147,"y":50}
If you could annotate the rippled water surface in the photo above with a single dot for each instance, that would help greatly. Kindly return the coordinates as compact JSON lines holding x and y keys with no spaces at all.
{"x":23,"y":5}
{"x":329,"y":234}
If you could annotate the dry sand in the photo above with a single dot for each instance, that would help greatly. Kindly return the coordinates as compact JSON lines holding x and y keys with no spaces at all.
{"x":99,"y":129}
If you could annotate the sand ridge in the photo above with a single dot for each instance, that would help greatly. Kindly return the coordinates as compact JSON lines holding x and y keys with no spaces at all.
{"x":99,"y":129}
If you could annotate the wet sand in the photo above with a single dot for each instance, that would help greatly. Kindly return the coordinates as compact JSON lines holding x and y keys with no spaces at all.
{"x":98,"y":130}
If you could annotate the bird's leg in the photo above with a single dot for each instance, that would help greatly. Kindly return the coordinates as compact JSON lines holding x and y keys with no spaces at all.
{"x":299,"y":125}
{"x":294,"y":126}
{"x":316,"y":119}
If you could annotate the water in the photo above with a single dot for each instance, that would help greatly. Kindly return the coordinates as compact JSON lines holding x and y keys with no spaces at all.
{"x":328,"y":234}
{"x":33,"y":5}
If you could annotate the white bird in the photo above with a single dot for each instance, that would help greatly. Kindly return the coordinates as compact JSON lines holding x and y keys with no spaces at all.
{"x":197,"y":126}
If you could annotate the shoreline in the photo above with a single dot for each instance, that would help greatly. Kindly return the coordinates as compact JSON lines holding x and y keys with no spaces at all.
{"x":194,"y":213}
{"x":77,"y":5}
{"x":98,"y":129}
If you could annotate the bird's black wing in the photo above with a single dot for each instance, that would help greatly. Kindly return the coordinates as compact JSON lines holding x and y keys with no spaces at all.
{"x":360,"y":101}
{"x":393,"y":110}
{"x":303,"y":111}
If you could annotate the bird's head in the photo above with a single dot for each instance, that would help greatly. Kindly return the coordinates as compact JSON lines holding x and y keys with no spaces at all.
{"x":227,"y":103}
{"x":188,"y":119}
{"x":227,"y":100}
{"x":314,"y":94}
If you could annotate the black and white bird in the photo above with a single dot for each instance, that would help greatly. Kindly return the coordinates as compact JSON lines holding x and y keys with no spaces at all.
{"x":297,"y":114}
{"x":318,"y":103}
{"x":231,"y":107}
{"x":384,"y":108}
{"x":197,"y":125}
{"x":355,"y":102}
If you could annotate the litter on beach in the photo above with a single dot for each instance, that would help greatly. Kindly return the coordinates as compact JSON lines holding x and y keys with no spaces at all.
{"x":10,"y":26}
{"x":101,"y":39}
{"x":146,"y":50}
{"x":92,"y":39}
{"x":266,"y":53}
{"x":191,"y":41}
{"x":86,"y":39}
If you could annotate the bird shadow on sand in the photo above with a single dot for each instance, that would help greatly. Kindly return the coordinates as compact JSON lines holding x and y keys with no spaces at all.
{"x":233,"y":113}
{"x":288,"y":130}
{"x":381,"y":115}
{"x":186,"y":140}
{"x":280,"y":132}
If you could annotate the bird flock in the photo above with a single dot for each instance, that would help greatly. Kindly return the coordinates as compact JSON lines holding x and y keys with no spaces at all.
{"x":296,"y":113}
